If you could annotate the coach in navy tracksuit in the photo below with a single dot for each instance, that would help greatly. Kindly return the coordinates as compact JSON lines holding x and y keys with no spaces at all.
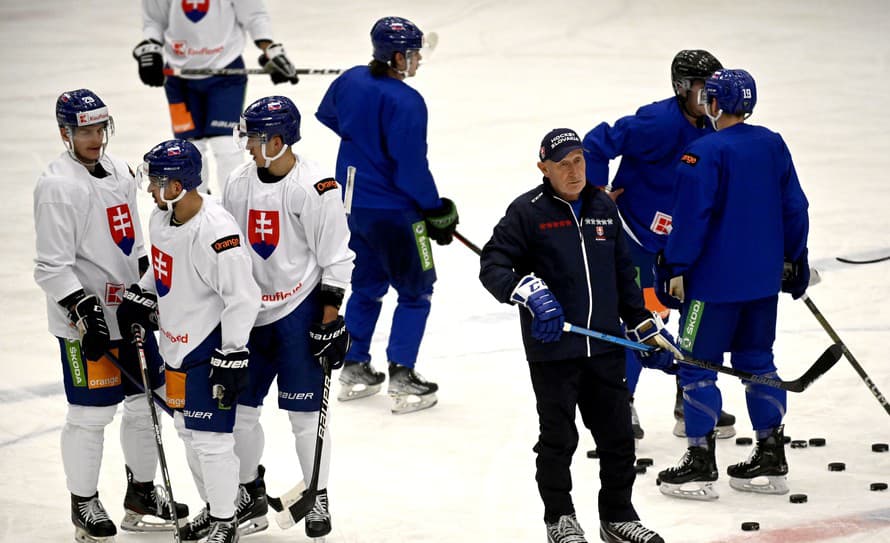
{"x":559,"y":251}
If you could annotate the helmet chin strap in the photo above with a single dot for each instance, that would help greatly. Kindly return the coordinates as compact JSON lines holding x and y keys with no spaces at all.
{"x":714,"y":118}
{"x":174,"y":200}
{"x":268,"y":160}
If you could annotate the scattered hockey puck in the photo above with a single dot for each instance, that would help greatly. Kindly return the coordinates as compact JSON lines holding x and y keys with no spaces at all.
{"x":817,"y":441}
{"x":743,"y":441}
{"x":646,"y":462}
{"x":878,"y":486}
{"x":750,"y":526}
{"x":786,"y":439}
{"x":592,"y":454}
{"x":640,"y":469}
{"x":798,"y":444}
{"x":837,"y":466}
{"x":880,"y":447}
{"x":797,"y":498}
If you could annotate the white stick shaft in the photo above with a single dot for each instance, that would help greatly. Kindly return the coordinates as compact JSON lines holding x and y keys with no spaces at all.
{"x":350,"y":185}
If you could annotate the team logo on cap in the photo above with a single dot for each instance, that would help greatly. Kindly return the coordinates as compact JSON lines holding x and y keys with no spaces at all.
{"x":120,"y":224}
{"x":195,"y":10}
{"x":162,"y":265}
{"x":274,"y":106}
{"x":396,"y":26}
{"x":263,"y":229}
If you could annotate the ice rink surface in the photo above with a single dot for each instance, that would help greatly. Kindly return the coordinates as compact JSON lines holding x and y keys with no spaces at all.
{"x":503,"y":75}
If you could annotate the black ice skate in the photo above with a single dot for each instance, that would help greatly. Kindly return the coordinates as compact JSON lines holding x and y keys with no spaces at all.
{"x":635,"y":422}
{"x":198,"y":527}
{"x":628,"y":532}
{"x":318,"y":521}
{"x":91,"y":522}
{"x":694,"y":477}
{"x":565,"y":530}
{"x":253,"y":505}
{"x":409,"y":391}
{"x":725,"y":424}
{"x":766,"y":469}
{"x":146,"y":499}
{"x":359,"y":380}
{"x":223,"y":531}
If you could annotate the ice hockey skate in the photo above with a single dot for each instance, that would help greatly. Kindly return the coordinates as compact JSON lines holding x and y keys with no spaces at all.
{"x":694,"y":477}
{"x":565,"y":530}
{"x":628,"y":532}
{"x":147,"y":508}
{"x":725,"y":424}
{"x":223,"y":531}
{"x":198,"y":527}
{"x":765,"y":470}
{"x":318,"y":521}
{"x":409,"y":391}
{"x":252,"y":505}
{"x":91,"y":522}
{"x":359,"y":380}
{"x":635,"y":422}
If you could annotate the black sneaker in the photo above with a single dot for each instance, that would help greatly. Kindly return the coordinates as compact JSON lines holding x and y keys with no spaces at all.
{"x":693,"y":478}
{"x":409,"y":390}
{"x":147,"y":499}
{"x":318,"y":521}
{"x":635,"y":422}
{"x":628,"y":532}
{"x":766,"y":461}
{"x":359,"y":380}
{"x":253,"y":505}
{"x":565,"y":530}
{"x":91,"y":521}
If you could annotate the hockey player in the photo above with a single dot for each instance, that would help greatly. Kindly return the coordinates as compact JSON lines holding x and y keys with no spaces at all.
{"x":566,"y":228}
{"x":89,"y":247}
{"x":739,"y":215}
{"x":293,"y":217}
{"x":207,"y":301}
{"x":649,"y":144}
{"x":395,"y":210}
{"x":207,"y":35}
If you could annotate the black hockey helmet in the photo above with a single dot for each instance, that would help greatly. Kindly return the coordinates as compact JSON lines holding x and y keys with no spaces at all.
{"x":691,"y":64}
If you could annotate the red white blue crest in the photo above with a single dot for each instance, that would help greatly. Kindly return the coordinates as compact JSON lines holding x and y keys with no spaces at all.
{"x":162,"y":264}
{"x":262,"y":231}
{"x":195,"y":10}
{"x":120,"y":224}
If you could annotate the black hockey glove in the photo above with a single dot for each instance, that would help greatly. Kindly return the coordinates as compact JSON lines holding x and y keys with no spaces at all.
{"x":668,"y":285}
{"x":796,"y":276}
{"x":137,"y":308}
{"x":330,"y":340}
{"x":228,"y":376}
{"x":274,"y":61}
{"x":441,"y":222}
{"x":86,"y":313}
{"x":151,"y":62}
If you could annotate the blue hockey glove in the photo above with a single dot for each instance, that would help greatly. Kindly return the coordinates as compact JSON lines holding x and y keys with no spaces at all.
{"x":796,"y":276}
{"x":441,"y":222}
{"x":330,"y":340}
{"x":652,"y":332}
{"x":87,"y":315}
{"x":138,"y":307}
{"x":668,"y":285}
{"x":228,"y":376}
{"x":548,"y":318}
{"x":274,"y":61}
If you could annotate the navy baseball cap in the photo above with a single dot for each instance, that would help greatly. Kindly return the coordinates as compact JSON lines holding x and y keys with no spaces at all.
{"x":558,"y":143}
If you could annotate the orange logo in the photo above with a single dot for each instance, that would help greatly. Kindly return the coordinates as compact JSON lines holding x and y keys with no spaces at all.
{"x":689,"y":158}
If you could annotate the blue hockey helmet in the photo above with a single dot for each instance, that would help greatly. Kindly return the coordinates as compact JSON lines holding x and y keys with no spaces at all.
{"x":394,"y":34}
{"x":734,"y":91}
{"x":271,"y":116}
{"x":81,"y":107}
{"x":172,"y":160}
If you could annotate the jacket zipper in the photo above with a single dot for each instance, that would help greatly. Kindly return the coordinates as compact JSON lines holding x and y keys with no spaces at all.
{"x":586,"y":270}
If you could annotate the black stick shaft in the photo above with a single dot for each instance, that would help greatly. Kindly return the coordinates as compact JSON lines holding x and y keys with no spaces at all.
{"x":159,"y":401}
{"x":472,"y":246}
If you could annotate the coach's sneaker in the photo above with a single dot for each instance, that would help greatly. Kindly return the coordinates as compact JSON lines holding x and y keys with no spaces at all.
{"x":694,"y":477}
{"x":565,"y":530}
{"x":765,"y":470}
{"x":409,"y":390}
{"x":147,"y":500}
{"x":91,"y":522}
{"x":635,"y":421}
{"x":198,"y":527}
{"x":628,"y":532}
{"x":725,"y":424}
{"x":252,"y":505}
{"x":318,"y":521}
{"x":359,"y":380}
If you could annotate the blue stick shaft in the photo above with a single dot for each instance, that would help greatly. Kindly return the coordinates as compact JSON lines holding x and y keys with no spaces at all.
{"x":567,"y":327}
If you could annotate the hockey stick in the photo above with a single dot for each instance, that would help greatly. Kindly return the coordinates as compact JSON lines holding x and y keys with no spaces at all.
{"x":245,"y":71}
{"x":350,"y":187}
{"x":299,"y":509}
{"x":138,"y":332}
{"x":828,"y":359}
{"x":472,"y":246}
{"x":159,"y":400}
{"x":869,"y":261}
{"x":846,"y":352}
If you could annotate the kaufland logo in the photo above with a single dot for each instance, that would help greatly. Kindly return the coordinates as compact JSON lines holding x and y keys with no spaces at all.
{"x":92,"y":117}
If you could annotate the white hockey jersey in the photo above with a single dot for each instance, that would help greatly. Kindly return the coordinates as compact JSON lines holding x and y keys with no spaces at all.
{"x":296,"y":231}
{"x":204,"y":33}
{"x":88,"y":236}
{"x":201,"y":274}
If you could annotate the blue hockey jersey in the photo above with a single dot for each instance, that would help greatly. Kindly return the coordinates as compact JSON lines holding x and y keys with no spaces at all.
{"x":382,"y":123}
{"x":738,"y":212}
{"x":649,"y":143}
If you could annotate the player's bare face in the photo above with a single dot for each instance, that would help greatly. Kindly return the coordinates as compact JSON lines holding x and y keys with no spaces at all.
{"x":568,"y":177}
{"x":88,"y":141}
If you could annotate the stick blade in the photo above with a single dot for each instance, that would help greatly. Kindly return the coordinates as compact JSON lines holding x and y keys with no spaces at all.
{"x":825,"y":362}
{"x":297,"y":511}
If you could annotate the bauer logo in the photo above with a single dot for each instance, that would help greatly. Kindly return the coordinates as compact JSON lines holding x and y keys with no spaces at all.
{"x":195,"y":10}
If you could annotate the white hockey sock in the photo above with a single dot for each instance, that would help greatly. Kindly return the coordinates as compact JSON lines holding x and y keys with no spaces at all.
{"x":249,"y":441}
{"x":190,"y":455}
{"x":138,"y":438}
{"x":82,"y":445}
{"x":227,"y":157}
{"x":217,"y":465}
{"x":305,"y":428}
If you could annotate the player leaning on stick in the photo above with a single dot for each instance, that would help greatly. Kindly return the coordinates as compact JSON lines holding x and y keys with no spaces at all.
{"x":89,"y":248}
{"x":207,"y":302}
{"x":566,"y":233}
{"x":739,"y":216}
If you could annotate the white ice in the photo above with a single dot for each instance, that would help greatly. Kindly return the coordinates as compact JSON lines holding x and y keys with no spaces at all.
{"x":503,"y":75}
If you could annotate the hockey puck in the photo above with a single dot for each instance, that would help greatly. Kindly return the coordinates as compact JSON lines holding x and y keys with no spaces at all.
{"x":743,"y":441}
{"x":750,"y":526}
{"x":798,"y":444}
{"x":880,"y":447}
{"x":592,"y":454}
{"x":786,"y":439}
{"x":837,"y":466}
{"x":640,"y":469}
{"x":646,"y":462}
{"x":878,"y":486}
{"x":797,"y":498}
{"x":817,"y":441}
